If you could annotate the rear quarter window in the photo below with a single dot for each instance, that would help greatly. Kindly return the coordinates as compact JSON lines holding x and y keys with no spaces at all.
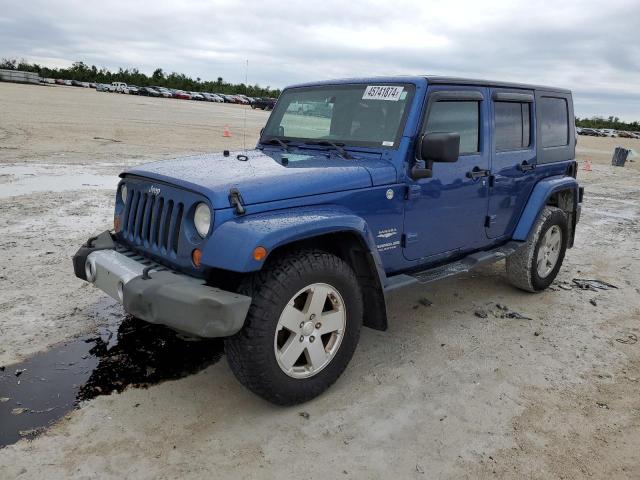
{"x":554,"y":121}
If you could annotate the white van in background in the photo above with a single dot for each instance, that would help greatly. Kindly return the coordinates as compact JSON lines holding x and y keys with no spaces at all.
{"x":119,"y":87}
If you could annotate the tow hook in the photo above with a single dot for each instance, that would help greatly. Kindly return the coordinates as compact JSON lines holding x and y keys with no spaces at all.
{"x":145,"y":273}
{"x":89,"y":242}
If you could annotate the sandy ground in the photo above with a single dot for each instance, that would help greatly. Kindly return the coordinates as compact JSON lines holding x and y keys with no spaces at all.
{"x":443,"y":393}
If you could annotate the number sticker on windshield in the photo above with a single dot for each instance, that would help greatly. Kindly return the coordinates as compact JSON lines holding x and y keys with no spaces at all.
{"x":382,"y":92}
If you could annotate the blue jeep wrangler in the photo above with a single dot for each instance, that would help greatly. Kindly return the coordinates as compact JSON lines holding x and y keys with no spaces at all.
{"x":355,"y":189}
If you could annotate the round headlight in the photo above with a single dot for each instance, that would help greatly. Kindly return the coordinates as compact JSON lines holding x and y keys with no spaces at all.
{"x":202,"y":219}
{"x":123,"y":194}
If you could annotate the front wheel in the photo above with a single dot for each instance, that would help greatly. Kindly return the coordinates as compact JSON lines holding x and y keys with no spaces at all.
{"x":302,"y":327}
{"x":535,"y":266}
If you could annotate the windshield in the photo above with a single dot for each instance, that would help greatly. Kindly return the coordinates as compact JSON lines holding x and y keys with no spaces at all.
{"x":364,"y":115}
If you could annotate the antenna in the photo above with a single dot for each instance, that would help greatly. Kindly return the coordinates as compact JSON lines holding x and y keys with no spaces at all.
{"x":244,"y":127}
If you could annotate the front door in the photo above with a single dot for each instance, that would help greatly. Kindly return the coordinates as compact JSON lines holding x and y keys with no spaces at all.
{"x":445,"y":214}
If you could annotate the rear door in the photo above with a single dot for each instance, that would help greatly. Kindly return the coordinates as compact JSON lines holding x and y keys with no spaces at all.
{"x":513,"y":158}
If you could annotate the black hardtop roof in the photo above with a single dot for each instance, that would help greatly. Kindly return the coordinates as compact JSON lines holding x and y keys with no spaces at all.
{"x":436,"y":79}
{"x":432,"y":79}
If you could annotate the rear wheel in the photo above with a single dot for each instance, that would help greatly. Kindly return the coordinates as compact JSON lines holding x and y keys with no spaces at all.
{"x":301,"y":330}
{"x":535,"y":266}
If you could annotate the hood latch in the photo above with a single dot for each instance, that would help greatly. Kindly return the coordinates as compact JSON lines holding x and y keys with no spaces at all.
{"x":235,"y":199}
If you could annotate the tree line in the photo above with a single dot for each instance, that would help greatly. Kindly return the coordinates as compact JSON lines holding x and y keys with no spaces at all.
{"x":609,"y":122}
{"x":85,"y":73}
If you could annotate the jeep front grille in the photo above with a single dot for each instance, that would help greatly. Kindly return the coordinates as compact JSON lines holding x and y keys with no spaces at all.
{"x":152,"y":221}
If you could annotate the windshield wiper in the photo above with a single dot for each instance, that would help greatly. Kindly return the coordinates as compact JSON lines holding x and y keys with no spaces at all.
{"x":278,"y":141}
{"x":338,"y":146}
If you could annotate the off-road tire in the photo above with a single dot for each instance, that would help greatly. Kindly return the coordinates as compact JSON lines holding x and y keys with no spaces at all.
{"x":521,"y":265}
{"x":250,"y":352}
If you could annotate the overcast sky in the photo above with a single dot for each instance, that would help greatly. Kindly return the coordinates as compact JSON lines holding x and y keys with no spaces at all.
{"x":591,"y":47}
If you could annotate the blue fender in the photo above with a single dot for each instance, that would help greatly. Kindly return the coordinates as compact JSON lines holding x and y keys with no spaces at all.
{"x":538,"y":199}
{"x":232,"y":243}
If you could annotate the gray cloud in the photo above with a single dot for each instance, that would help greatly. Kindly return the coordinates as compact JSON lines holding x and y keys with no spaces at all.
{"x":589,"y":46}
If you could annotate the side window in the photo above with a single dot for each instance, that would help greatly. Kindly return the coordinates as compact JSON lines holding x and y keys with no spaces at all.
{"x":462,"y":117}
{"x":513,"y":125}
{"x":554,"y":123}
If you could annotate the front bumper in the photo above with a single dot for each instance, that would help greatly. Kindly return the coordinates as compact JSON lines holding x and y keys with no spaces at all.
{"x":158,"y":295}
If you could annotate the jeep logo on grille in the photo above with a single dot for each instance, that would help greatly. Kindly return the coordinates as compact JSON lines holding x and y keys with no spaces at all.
{"x":153,"y":190}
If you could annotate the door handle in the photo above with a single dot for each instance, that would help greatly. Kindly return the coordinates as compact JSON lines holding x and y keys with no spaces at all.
{"x":477,"y":172}
{"x":526,"y":166}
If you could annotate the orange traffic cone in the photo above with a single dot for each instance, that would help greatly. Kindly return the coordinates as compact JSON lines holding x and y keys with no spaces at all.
{"x":587,"y":166}
{"x":226,"y":132}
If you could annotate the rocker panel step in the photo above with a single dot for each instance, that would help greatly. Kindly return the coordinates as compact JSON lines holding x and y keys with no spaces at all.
{"x":455,"y":268}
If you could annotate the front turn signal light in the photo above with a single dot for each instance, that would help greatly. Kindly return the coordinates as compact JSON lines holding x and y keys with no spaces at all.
{"x":116,"y":223}
{"x":196,"y":257}
{"x":259,"y":254}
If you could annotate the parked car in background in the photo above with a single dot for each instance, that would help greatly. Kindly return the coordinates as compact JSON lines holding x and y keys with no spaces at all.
{"x":68,"y":83}
{"x":182,"y":95}
{"x":590,"y":132}
{"x":102,"y":87}
{"x":210,"y":97}
{"x":197,"y":96}
{"x":133,"y":90}
{"x":163,"y":91}
{"x":92,"y":85}
{"x":241,"y":100}
{"x":609,"y":132}
{"x":60,"y":81}
{"x":264,"y":103}
{"x":623,"y":134}
{"x":148,"y":91}
{"x":247,"y":100}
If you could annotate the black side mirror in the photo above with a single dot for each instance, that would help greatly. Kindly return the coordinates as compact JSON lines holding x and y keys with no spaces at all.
{"x":420,"y":170}
{"x":440,"y":147}
{"x":435,"y":147}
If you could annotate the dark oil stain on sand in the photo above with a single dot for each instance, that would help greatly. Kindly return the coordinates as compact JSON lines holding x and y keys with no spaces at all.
{"x":42,"y":389}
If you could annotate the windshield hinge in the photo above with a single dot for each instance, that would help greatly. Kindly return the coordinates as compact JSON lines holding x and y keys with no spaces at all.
{"x":408,"y":238}
{"x":413,"y":191}
{"x":235,"y":199}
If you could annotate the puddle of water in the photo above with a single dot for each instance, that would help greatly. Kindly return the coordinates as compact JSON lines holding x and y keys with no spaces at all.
{"x":42,"y":389}
{"x":46,"y":389}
